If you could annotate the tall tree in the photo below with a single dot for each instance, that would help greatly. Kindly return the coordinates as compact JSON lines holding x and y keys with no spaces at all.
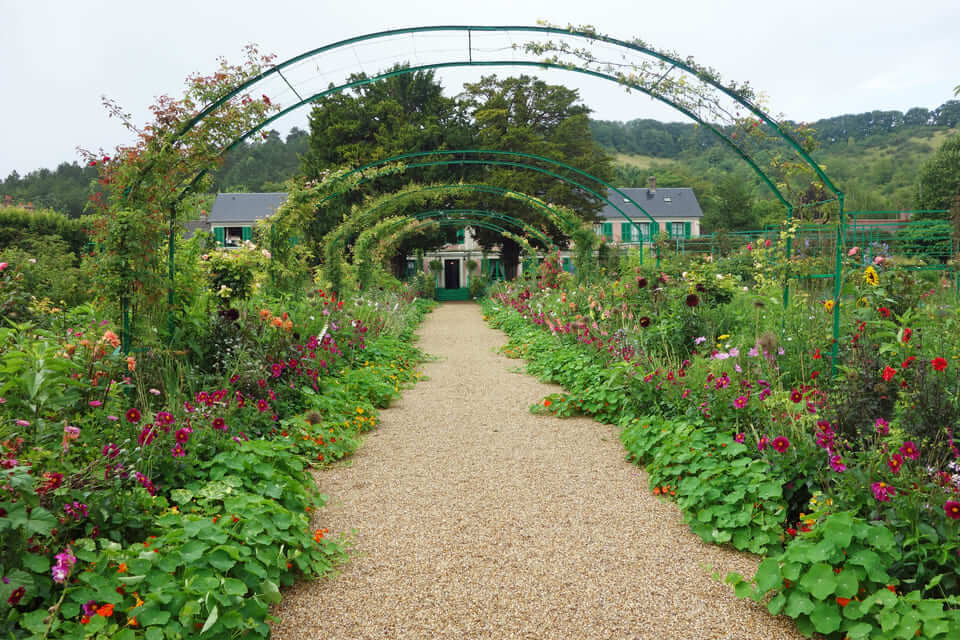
{"x":528,"y":115}
{"x":939,"y":181}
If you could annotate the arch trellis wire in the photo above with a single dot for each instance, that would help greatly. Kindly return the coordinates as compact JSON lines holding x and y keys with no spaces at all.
{"x":694,"y":90}
{"x":403,"y":157}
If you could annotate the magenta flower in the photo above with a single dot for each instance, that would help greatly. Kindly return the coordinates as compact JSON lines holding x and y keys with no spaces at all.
{"x":89,"y":607}
{"x":952,"y":508}
{"x":882,"y":426}
{"x":182,"y":435}
{"x":895,"y":462}
{"x":262,"y":405}
{"x":780,"y":444}
{"x":740,"y":402}
{"x":882,"y":491}
{"x":740,"y":437}
{"x":22,"y":423}
{"x":909,"y":450}
{"x":96,"y":403}
{"x":147,"y":434}
{"x":110,"y":450}
{"x":65,"y":562}
{"x":178,"y":451}
{"x":762,"y":443}
{"x":133,"y":415}
{"x":836,"y":463}
{"x":219,"y":424}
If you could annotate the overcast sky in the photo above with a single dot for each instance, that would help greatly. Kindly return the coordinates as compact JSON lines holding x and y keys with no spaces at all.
{"x":812,"y":59}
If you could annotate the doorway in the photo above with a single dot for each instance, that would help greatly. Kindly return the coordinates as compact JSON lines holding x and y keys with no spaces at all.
{"x":451,"y":274}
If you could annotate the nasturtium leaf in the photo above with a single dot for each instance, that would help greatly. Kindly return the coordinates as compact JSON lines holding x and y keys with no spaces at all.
{"x":41,"y":521}
{"x":819,"y":581}
{"x":859,"y":631}
{"x":888,"y":619}
{"x":234,"y":587}
{"x":826,"y":617}
{"x":153,"y":633}
{"x":798,"y":603}
{"x":149,"y":614}
{"x":847,"y":584}
{"x":775,"y":606}
{"x":270,"y":592}
{"x":36,"y":563}
{"x":768,"y":575}
{"x":839,"y":529}
{"x":181,"y":496}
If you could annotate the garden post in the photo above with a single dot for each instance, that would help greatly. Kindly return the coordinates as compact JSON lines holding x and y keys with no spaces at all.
{"x":170,"y":275}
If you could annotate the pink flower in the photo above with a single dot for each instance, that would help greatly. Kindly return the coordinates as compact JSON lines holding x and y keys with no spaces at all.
{"x":95,"y":403}
{"x":740,"y":437}
{"x":780,"y":444}
{"x":740,"y":402}
{"x":836,"y":463}
{"x":3,"y":266}
{"x":882,"y":426}
{"x":909,"y":450}
{"x":147,"y":434}
{"x":853,"y":251}
{"x":22,"y":423}
{"x":895,"y":462}
{"x":762,"y":443}
{"x":182,"y":435}
{"x":882,"y":491}
{"x":178,"y":451}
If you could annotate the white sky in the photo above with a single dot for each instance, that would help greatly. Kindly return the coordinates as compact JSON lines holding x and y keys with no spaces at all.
{"x":812,"y":59}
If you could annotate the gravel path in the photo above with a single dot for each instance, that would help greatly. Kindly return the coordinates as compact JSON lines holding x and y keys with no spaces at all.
{"x":477,"y":519}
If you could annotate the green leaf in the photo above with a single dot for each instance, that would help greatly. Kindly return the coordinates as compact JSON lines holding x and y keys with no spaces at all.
{"x":234,"y":587}
{"x":150,"y":615}
{"x":153,"y":633}
{"x":181,"y":496}
{"x":211,"y":620}
{"x":819,"y":581}
{"x":270,"y":592}
{"x":888,"y":619}
{"x":220,"y":560}
{"x":41,"y":521}
{"x":847,"y":584}
{"x":826,"y":617}
{"x":33,"y":621}
{"x":839,"y":528}
{"x":775,"y":606}
{"x":798,"y":603}
{"x":768,"y":575}
{"x":126,"y":634}
{"x":36,"y":563}
{"x":860,"y":631}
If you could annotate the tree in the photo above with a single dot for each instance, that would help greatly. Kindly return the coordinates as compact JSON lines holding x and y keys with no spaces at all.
{"x":939,"y":181}
{"x":528,"y":115}
{"x":403,"y":113}
{"x":732,"y":205}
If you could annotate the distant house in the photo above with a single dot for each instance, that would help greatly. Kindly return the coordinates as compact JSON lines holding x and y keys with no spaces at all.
{"x":675,"y":210}
{"x":233,"y":216}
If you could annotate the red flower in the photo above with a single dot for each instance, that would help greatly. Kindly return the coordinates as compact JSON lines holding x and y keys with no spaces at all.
{"x":15,"y":597}
{"x":816,"y":354}
{"x":843,"y":601}
{"x":907,"y":332}
{"x":952,"y":507}
{"x":133,"y":415}
{"x":895,"y":462}
{"x":939,"y":364}
{"x":796,"y":396}
{"x":106,"y":610}
{"x":888,"y":373}
{"x":884,"y":312}
{"x":906,"y":363}
{"x":780,"y":444}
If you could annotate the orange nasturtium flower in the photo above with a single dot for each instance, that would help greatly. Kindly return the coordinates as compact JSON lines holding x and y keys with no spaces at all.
{"x":106,"y":610}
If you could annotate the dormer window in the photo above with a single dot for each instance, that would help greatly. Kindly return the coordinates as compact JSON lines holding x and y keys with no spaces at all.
{"x":667,"y":199}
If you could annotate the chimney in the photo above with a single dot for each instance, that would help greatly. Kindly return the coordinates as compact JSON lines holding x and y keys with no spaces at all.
{"x":652,"y":184}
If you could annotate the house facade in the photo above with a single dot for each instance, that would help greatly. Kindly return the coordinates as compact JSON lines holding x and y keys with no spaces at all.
{"x":674,"y":211}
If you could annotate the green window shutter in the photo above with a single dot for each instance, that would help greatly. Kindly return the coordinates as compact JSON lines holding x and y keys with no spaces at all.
{"x":652,"y":230}
{"x":670,"y":229}
{"x":218,"y":236}
{"x":566,"y":265}
{"x":686,"y":229}
{"x":460,"y":236}
{"x":608,"y":231}
{"x":626,"y":232}
{"x":246,"y":233}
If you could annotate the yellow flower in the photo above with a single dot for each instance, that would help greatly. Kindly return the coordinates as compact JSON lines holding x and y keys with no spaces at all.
{"x":828,"y":305}
{"x":723,"y":337}
{"x":871,"y":277}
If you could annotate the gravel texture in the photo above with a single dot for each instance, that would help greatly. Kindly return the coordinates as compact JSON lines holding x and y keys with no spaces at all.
{"x":476,"y":519}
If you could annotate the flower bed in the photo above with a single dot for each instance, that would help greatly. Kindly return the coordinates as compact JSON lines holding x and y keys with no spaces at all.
{"x":848,"y":485}
{"x":165,"y":494}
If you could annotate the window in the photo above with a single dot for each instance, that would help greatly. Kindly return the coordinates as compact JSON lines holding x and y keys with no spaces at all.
{"x":605,"y":229}
{"x":232,"y":236}
{"x":667,"y":199}
{"x":629,"y":232}
{"x":460,"y":236}
{"x":676,"y":230}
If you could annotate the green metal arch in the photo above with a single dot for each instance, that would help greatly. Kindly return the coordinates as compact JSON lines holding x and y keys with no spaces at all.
{"x":336,"y":234}
{"x":521,"y":63}
{"x":521,"y":165}
{"x":485,"y":213}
